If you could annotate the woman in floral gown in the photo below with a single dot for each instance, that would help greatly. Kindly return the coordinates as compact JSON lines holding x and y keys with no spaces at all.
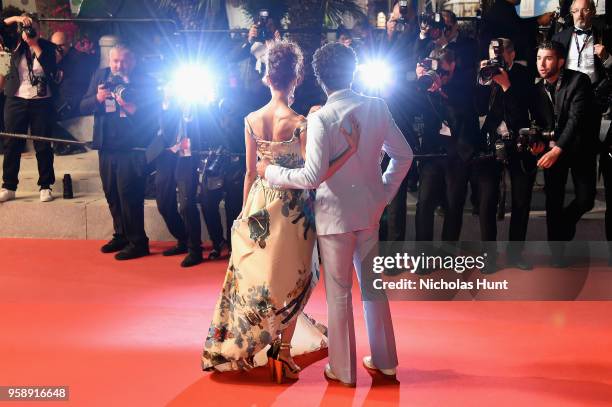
{"x":271,"y":271}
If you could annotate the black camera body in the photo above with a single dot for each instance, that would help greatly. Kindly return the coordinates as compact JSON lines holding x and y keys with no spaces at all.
{"x":431,"y":73}
{"x":529,"y":136}
{"x":262,"y":26}
{"x":493,"y":66}
{"x":431,"y":20}
{"x":40,"y":82}
{"x":402,"y":21}
{"x":118,"y":87}
{"x":521,"y":143}
{"x":29,"y":31}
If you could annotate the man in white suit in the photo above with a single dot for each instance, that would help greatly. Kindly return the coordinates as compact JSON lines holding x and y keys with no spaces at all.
{"x":348,"y":205}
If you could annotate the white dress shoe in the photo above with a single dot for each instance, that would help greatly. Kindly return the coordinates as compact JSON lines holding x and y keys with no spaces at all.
{"x":6,"y":195}
{"x":368,"y":364}
{"x":330,"y":376}
{"x":45,"y":195}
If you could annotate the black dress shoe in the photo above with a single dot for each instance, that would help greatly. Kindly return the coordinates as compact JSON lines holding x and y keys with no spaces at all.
{"x":215,"y":253}
{"x":192,"y":259}
{"x":180,"y":248}
{"x":132,"y":252}
{"x":114,"y":245}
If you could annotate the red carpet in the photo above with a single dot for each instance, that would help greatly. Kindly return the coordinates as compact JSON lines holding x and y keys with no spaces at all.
{"x":130,"y":334}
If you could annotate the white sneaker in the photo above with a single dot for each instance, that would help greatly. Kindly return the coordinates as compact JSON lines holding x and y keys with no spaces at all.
{"x":368,"y":364}
{"x":330,"y":376}
{"x":6,"y":195}
{"x":45,"y":195}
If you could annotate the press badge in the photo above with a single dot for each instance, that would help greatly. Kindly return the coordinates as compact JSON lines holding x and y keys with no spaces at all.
{"x":110,"y":106}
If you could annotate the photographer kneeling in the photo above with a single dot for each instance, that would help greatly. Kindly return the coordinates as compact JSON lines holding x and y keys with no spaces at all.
{"x":29,"y":93}
{"x":126,"y":116}
{"x":505,"y":87}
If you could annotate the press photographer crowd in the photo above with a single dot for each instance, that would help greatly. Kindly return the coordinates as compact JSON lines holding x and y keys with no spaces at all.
{"x":479,"y":105}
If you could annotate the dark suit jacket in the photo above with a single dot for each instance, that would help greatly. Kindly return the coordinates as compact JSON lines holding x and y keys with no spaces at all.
{"x":574,"y":101}
{"x":46,"y":60}
{"x":511,"y":106}
{"x":112,"y":132}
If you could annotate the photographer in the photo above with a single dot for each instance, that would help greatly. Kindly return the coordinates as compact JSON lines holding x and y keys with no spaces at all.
{"x":74,"y":71}
{"x":402,"y":31}
{"x":125,"y":104}
{"x":224,"y":172}
{"x":431,"y":40}
{"x":502,"y":21}
{"x":464,"y":47}
{"x":174,"y":152}
{"x":562,"y":102}
{"x":29,"y":94}
{"x":251,"y":56}
{"x":445,"y":118}
{"x":503,"y":94}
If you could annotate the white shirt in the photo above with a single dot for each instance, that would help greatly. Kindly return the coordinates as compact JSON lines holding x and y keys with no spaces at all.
{"x":587,"y":59}
{"x":26,"y":90}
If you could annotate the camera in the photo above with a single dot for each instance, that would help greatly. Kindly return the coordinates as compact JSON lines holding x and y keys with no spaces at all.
{"x":431,"y":20}
{"x":28,"y":30}
{"x":493,"y":66}
{"x":40,"y":82}
{"x":529,"y":136}
{"x":401,"y":23}
{"x":431,"y":73}
{"x":262,"y":26}
{"x":119,"y":88}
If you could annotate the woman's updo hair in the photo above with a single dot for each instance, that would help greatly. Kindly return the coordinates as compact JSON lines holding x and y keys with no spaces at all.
{"x":285,"y":64}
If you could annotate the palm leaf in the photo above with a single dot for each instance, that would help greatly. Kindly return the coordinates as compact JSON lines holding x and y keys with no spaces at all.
{"x":335,"y":10}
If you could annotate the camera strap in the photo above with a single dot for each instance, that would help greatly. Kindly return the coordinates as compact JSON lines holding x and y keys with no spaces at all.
{"x":30,"y":62}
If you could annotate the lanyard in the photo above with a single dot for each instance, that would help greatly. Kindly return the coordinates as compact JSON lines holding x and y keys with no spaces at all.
{"x":578,"y":48}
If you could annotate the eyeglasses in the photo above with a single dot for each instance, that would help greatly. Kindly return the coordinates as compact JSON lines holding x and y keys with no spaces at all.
{"x":584,"y":11}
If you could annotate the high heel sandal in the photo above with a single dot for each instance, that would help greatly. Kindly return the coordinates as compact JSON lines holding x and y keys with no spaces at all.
{"x":282,"y":368}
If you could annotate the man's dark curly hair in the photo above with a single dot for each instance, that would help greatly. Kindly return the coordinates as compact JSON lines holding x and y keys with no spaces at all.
{"x":285,"y":64}
{"x":334,"y":65}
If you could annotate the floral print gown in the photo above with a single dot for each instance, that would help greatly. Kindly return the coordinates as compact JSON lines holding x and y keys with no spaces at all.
{"x":271,"y":272}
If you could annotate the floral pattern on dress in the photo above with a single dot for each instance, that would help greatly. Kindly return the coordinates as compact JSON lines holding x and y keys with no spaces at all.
{"x":270,"y":275}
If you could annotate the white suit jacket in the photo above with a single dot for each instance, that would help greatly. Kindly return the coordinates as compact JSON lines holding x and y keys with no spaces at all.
{"x":355,"y":196}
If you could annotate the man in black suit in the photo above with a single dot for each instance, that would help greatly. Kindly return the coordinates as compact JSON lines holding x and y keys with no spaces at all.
{"x":29,"y":92}
{"x":562,"y":102}
{"x":588,"y":42}
{"x":174,"y":152}
{"x":123,"y":120}
{"x":446,"y":112}
{"x":503,"y":101}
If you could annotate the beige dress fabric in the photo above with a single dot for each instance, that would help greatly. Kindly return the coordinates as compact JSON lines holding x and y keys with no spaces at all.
{"x":271,"y":272}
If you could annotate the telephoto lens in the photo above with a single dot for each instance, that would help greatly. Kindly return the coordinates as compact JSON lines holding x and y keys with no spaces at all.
{"x":67,"y":182}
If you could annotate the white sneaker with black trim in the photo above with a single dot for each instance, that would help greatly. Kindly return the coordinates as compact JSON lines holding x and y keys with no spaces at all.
{"x":45,"y":195}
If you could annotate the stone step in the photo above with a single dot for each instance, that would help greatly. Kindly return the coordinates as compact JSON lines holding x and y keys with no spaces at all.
{"x":84,"y":217}
{"x":87,"y":217}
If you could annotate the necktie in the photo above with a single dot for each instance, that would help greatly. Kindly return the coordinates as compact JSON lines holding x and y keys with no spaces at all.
{"x":578,"y":31}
